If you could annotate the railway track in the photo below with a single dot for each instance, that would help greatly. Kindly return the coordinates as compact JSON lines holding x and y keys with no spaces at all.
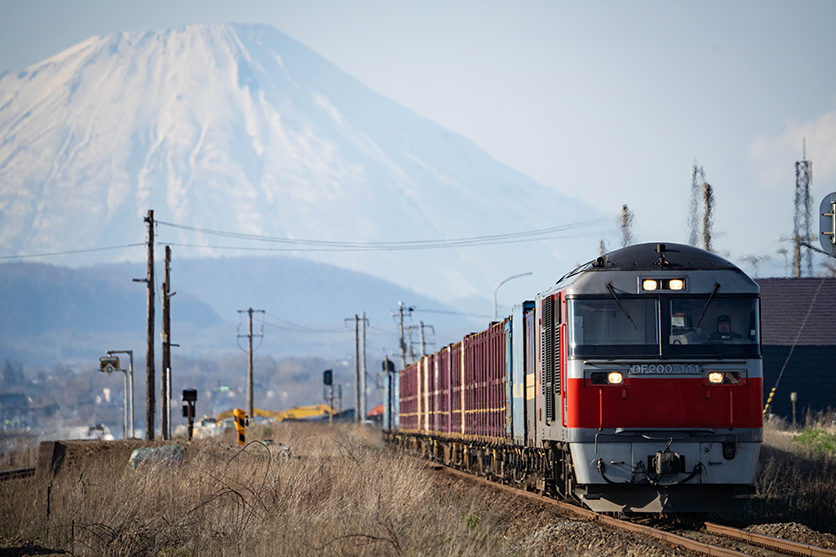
{"x":711,"y":535}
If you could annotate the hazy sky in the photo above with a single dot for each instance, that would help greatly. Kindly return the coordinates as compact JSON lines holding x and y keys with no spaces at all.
{"x":611,"y":102}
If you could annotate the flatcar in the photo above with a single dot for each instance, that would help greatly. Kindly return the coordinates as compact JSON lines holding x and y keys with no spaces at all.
{"x":632,"y":385}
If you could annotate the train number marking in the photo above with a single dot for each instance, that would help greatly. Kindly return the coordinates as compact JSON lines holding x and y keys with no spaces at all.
{"x":665,"y":369}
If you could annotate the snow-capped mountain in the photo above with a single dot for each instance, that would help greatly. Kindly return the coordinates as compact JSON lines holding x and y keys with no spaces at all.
{"x":240,"y":128}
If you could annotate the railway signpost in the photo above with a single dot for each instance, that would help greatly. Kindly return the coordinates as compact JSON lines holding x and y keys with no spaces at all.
{"x":240,"y":417}
{"x":190,"y":398}
{"x":827,"y":223}
{"x":328,"y":380}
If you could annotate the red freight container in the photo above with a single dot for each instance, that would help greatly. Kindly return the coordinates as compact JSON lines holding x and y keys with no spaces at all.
{"x":456,"y":390}
{"x":442,"y":366}
{"x":409,"y":398}
{"x":484,"y":372}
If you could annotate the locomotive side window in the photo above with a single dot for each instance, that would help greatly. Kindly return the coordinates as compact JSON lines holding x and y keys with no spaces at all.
{"x":716,"y":325}
{"x":606,"y":327}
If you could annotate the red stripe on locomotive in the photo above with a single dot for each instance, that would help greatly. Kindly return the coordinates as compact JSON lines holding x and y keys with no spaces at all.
{"x":665,"y":403}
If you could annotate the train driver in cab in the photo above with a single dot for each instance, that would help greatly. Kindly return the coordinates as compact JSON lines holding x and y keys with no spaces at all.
{"x":724,"y":330}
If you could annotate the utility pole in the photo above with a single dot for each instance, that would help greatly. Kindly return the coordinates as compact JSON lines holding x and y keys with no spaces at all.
{"x":363,"y":372}
{"x":359,"y":368}
{"x":165,"y":407}
{"x":400,"y":333}
{"x":250,"y":359}
{"x":357,"y":414}
{"x":150,"y":372}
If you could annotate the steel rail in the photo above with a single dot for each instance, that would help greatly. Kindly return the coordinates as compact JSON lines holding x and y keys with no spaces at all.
{"x":665,"y":537}
{"x":776,"y":544}
{"x":17,"y":473}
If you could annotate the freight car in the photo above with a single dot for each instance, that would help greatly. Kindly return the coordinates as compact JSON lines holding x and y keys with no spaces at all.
{"x":634,"y":384}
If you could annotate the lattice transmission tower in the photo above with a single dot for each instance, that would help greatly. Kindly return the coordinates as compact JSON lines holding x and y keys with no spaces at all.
{"x":802,"y":224}
{"x":697,"y":180}
{"x":625,"y":223}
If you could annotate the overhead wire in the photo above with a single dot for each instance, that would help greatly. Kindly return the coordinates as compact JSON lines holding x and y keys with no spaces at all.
{"x":70,"y":252}
{"x":298,"y":244}
{"x":326,"y":245}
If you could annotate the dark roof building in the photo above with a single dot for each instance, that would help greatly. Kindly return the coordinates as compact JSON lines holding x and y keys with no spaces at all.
{"x":798,"y":330}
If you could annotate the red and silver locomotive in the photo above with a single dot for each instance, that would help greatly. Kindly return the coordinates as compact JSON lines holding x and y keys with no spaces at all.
{"x":633,"y":385}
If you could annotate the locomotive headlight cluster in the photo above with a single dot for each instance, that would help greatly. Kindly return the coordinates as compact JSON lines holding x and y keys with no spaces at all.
{"x":615,"y":378}
{"x":607,"y":377}
{"x":653,"y":284}
{"x":733,"y":378}
{"x":715,"y":377}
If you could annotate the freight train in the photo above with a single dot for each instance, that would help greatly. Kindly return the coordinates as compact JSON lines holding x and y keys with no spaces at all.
{"x":633,"y":385}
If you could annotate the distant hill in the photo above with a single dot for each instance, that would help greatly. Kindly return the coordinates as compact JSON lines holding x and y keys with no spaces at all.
{"x":52,"y":313}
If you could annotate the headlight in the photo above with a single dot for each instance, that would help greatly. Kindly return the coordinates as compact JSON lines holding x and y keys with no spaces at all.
{"x":615,"y":378}
{"x":649,"y":285}
{"x":715,"y":377}
{"x":676,"y":284}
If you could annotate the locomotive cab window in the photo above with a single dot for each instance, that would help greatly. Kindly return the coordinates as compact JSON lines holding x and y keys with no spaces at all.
{"x":721,"y":326}
{"x":610,"y":327}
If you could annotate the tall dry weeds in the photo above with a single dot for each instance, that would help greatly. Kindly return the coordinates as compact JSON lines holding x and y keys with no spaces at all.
{"x":795,"y":482}
{"x":336,"y":494}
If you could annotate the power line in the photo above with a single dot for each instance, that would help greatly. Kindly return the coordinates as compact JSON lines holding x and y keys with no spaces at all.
{"x":70,"y":252}
{"x":421,"y":310}
{"x":322,"y":245}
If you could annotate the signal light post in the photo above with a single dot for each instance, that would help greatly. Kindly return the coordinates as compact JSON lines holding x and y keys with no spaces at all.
{"x":190,"y":398}
{"x":328,"y":379}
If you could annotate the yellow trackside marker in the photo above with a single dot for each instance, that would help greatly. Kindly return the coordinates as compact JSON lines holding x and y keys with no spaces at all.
{"x":240,"y":422}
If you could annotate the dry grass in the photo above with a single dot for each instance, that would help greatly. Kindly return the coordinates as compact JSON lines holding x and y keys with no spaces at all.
{"x":17,"y":451}
{"x":338,"y":494}
{"x":797,"y":475}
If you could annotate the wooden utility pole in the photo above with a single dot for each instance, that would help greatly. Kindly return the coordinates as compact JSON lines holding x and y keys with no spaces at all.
{"x":250,"y":369}
{"x":150,"y":372}
{"x":250,"y":360}
{"x":357,"y":415}
{"x":165,"y":373}
{"x":363,"y":372}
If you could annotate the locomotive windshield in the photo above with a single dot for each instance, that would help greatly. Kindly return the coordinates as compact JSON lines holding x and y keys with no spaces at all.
{"x":694,"y":327}
{"x":703,"y":326}
{"x":611,"y":327}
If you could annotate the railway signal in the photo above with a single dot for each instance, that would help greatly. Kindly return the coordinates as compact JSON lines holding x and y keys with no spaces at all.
{"x":827,"y":223}
{"x":190,"y":398}
{"x":328,"y":380}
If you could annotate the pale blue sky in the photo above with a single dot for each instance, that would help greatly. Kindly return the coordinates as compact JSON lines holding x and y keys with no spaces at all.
{"x":608,"y":101}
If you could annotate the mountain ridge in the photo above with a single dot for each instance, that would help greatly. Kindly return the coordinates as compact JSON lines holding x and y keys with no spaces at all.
{"x":239,"y":127}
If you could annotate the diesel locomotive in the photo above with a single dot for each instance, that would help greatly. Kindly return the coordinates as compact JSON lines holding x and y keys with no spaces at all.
{"x":632,"y":385}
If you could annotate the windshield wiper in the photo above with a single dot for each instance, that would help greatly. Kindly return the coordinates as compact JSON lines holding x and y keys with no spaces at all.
{"x":617,"y":301}
{"x":713,"y":292}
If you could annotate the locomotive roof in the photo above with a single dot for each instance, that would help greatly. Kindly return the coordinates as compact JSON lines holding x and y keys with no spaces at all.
{"x":654,"y":257}
{"x":673,"y":257}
